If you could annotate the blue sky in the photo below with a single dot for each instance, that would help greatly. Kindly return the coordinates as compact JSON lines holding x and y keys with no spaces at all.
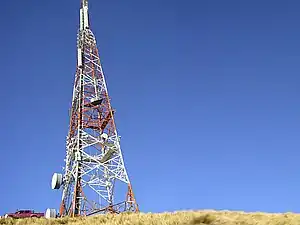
{"x":206,"y":93}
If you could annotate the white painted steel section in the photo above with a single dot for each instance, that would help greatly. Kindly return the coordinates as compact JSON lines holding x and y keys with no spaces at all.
{"x":85,"y":17}
{"x":81,"y":19}
{"x":79,"y":57}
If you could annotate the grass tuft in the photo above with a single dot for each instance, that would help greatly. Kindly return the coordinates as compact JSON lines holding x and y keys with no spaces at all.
{"x":204,"y":219}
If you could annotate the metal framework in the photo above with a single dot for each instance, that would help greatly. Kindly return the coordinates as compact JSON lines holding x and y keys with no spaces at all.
{"x":94,"y":166}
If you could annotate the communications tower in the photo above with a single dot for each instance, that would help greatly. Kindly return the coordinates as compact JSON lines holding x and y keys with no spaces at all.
{"x":94,"y":175}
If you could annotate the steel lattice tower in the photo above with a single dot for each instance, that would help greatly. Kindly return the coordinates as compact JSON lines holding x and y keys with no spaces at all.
{"x":94,"y":166}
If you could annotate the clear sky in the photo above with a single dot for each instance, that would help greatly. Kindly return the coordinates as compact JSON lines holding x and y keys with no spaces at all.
{"x":206,"y":93}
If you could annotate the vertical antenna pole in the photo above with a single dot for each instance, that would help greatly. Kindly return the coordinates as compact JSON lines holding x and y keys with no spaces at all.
{"x":84,"y":15}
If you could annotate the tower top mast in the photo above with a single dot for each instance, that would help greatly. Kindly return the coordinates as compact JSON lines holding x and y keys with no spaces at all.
{"x":84,"y":15}
{"x":84,"y":2}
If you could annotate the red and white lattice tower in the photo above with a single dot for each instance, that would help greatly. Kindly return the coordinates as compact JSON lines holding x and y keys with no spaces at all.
{"x":94,"y":167}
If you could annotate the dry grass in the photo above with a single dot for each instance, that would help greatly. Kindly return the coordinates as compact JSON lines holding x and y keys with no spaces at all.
{"x":176,"y":218}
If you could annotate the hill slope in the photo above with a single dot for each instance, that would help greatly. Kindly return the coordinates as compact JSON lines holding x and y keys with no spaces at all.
{"x":176,"y":218}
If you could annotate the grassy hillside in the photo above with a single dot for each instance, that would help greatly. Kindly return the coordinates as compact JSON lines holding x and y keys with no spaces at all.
{"x":176,"y":218}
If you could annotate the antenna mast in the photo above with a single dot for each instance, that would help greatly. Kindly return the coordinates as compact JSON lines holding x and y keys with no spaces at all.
{"x":94,"y":166}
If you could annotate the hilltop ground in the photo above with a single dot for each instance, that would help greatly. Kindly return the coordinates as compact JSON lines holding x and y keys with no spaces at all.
{"x":176,"y":218}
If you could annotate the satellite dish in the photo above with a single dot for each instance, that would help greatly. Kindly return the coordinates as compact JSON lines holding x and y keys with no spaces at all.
{"x":56,"y":181}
